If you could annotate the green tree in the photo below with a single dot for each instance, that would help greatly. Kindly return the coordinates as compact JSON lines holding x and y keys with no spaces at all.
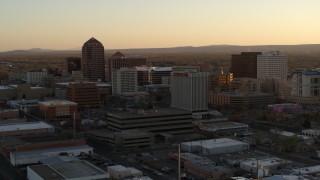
{"x":306,"y":124}
{"x":290,"y":144}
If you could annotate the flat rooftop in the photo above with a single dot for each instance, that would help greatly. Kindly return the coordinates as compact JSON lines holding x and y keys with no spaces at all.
{"x":37,"y":153}
{"x":308,"y":170}
{"x":69,"y":170}
{"x":24,"y":126}
{"x":224,"y":125}
{"x":46,"y":172}
{"x":215,"y":143}
{"x":265,"y":162}
{"x":148,"y":113}
{"x":8,"y":110}
{"x":5,"y":87}
{"x":289,"y":134}
{"x":77,"y":169}
{"x":57,"y":103}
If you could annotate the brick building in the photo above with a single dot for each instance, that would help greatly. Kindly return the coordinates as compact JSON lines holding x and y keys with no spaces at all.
{"x":9,"y":114}
{"x":58,"y":109}
{"x":84,"y":94}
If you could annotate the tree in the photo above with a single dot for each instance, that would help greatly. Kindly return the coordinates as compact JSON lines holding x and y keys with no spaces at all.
{"x":306,"y":124}
{"x":290,"y":144}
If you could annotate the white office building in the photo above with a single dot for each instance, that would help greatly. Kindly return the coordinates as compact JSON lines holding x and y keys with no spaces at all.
{"x":272,"y":65}
{"x":36,"y":77}
{"x":214,"y":146}
{"x":306,"y":87}
{"x":190,"y":91}
{"x":124,"y":80}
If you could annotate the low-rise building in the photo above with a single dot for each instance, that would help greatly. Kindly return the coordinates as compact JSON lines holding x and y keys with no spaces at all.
{"x":314,"y":133}
{"x":263,"y":167}
{"x":304,"y":138}
{"x":25,"y":157}
{"x":8,"y":114}
{"x":224,"y":128}
{"x":26,"y":129}
{"x":311,"y":170}
{"x":214,"y":146}
{"x":65,"y":168}
{"x":120,"y":172}
{"x":203,"y":167}
{"x":23,"y":105}
{"x":130,"y":139}
{"x":58,"y":109}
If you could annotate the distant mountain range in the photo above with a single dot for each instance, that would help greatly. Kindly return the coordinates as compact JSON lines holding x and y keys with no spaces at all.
{"x":301,"y":49}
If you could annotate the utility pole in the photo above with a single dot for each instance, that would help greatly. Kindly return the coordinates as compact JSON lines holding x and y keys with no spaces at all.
{"x":74,"y":124}
{"x":179,"y":173}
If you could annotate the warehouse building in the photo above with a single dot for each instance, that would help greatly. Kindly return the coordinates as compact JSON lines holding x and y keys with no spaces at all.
{"x":214,"y":146}
{"x":224,"y":128}
{"x":35,"y":156}
{"x":65,"y":168}
{"x":26,"y":129}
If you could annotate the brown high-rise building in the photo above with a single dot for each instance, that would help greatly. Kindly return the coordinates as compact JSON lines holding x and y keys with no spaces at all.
{"x":119,"y":60}
{"x":84,"y":94}
{"x":244,"y":65}
{"x":92,"y":63}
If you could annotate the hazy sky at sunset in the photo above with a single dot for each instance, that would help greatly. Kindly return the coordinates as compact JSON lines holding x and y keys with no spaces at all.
{"x":67,"y":24}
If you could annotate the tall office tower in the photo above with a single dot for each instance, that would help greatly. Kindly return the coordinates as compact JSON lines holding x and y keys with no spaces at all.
{"x":73,"y":64}
{"x":272,"y":65}
{"x":92,"y":63}
{"x":244,"y":65}
{"x":190,"y":91}
{"x":119,"y":60}
{"x":124,"y":80}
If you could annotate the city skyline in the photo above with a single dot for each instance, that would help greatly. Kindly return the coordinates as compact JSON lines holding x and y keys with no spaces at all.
{"x":144,"y":24}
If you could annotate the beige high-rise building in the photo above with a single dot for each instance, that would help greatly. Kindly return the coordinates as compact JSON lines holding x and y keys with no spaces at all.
{"x":124,"y":80}
{"x":272,"y":65}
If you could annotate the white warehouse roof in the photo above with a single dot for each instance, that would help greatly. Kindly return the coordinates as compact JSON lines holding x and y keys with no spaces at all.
{"x":25,"y":126}
{"x":214,"y":143}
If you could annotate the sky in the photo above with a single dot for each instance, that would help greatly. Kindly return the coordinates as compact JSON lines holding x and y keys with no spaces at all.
{"x":121,"y":24}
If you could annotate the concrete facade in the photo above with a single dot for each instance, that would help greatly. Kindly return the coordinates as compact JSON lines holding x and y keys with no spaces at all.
{"x":190,"y":91}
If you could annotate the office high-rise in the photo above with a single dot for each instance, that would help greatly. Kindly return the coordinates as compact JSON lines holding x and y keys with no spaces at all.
{"x":190,"y":91}
{"x":119,"y":60}
{"x":92,"y":62}
{"x":124,"y":80}
{"x":272,"y":65}
{"x":244,"y":65}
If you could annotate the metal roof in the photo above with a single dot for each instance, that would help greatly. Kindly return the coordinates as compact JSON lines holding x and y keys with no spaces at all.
{"x":24,"y":126}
